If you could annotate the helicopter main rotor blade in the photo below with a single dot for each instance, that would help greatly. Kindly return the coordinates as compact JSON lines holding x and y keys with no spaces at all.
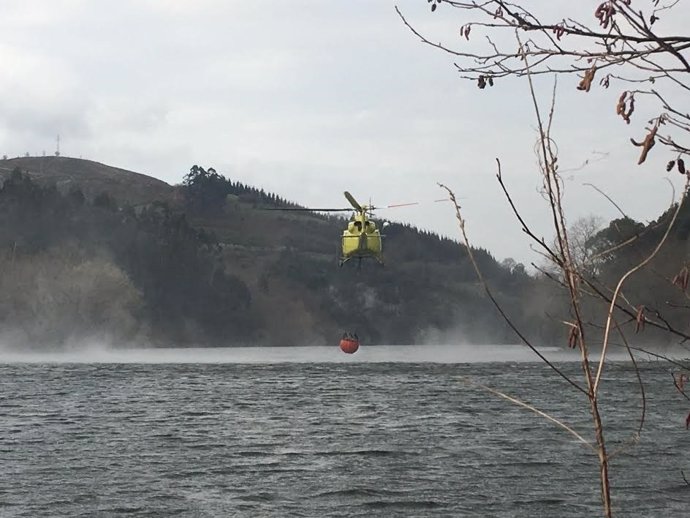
{"x":300,"y":209}
{"x":353,"y":202}
{"x":396,"y":205}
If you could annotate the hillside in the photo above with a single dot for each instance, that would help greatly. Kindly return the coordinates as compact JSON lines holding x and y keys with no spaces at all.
{"x":189,"y":266}
{"x":93,"y":178}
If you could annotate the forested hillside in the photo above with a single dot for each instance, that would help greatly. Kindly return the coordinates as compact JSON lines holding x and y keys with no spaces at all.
{"x":132,"y":260}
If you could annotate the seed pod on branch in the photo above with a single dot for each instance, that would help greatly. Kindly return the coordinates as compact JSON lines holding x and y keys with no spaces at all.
{"x":558,"y":30}
{"x":681,"y":166}
{"x":681,"y":280}
{"x":483,"y":80}
{"x":604,"y":13}
{"x":639,"y":320}
{"x":631,"y":109}
{"x":620,"y":106}
{"x":573,"y":335}
{"x":670,"y":165}
{"x":625,"y":106}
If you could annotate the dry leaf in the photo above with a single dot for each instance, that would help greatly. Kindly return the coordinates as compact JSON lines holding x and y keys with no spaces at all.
{"x":586,"y":82}
{"x":646,"y":144}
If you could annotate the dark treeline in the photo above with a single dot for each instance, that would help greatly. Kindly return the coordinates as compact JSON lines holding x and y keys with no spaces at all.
{"x":657,"y":292}
{"x":428,"y":290}
{"x":652,"y":304}
{"x":168,"y":280}
{"x":207,"y":191}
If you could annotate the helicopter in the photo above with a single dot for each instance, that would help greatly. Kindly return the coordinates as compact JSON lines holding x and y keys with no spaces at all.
{"x":361,"y":239}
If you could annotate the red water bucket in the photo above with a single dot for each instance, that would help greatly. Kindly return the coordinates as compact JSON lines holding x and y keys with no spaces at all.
{"x":349,"y":345}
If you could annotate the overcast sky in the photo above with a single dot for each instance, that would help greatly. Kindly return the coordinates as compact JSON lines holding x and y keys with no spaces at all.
{"x":308,"y":98}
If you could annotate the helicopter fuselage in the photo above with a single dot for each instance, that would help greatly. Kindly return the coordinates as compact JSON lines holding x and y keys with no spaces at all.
{"x":361,"y":239}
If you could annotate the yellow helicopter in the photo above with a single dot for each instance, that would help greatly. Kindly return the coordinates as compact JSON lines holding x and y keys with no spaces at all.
{"x":361,"y":239}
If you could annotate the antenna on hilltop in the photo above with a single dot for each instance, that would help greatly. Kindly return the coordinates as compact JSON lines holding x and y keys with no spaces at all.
{"x":57,"y":150}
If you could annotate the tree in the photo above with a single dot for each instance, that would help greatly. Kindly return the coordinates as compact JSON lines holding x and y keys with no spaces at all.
{"x":63,"y":295}
{"x":205,"y":190}
{"x":583,"y":233}
{"x":620,"y":44}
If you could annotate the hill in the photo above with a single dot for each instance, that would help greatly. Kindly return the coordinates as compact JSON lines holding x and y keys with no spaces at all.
{"x":93,"y":178}
{"x":100,"y":251}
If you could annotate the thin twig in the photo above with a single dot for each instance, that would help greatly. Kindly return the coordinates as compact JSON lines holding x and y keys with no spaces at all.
{"x":636,"y":436}
{"x":489,"y":293}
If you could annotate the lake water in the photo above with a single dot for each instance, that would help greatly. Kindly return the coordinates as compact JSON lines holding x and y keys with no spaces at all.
{"x":389,"y":431}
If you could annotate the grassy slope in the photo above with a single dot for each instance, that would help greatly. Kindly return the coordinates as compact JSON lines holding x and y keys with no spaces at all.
{"x":92,"y":178}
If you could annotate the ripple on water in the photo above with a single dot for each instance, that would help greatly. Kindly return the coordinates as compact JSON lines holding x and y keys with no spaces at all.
{"x":355,"y":439}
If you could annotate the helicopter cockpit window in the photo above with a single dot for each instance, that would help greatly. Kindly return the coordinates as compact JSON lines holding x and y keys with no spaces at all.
{"x":358,"y":225}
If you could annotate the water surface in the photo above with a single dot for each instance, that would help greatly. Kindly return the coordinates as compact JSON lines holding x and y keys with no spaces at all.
{"x":201,"y":436}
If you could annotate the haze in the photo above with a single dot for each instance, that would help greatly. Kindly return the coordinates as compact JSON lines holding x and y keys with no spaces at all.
{"x":460,"y":354}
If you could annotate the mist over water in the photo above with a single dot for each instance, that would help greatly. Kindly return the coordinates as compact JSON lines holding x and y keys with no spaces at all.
{"x":452,"y":354}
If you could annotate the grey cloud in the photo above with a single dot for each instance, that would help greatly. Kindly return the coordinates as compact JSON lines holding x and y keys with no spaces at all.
{"x":306,"y":98}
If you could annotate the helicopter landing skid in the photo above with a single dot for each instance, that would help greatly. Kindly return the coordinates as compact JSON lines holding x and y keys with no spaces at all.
{"x":343,"y":260}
